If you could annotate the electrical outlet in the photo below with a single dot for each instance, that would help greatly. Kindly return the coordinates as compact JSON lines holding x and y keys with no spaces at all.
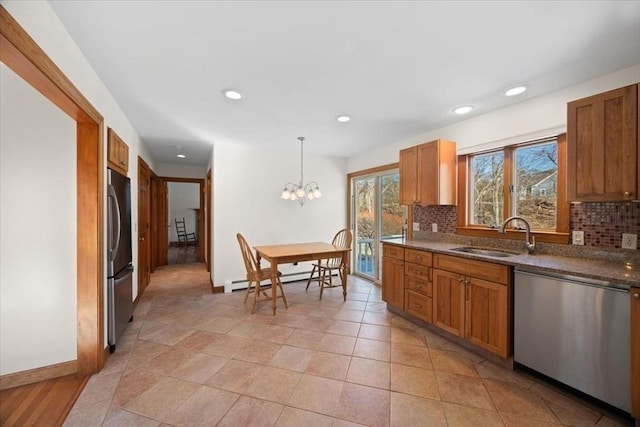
{"x":416,"y":226}
{"x":434,"y":228}
{"x":629,"y":241}
{"x":577,"y":237}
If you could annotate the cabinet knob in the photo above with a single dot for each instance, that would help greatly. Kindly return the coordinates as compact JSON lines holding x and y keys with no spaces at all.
{"x":636,"y":295}
{"x":627,"y":193}
{"x":460,"y":279}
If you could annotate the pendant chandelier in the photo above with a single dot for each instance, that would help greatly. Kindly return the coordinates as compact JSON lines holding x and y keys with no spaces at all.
{"x":300,"y":191}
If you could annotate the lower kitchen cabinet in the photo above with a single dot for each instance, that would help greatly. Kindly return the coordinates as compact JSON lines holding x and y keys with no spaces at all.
{"x":448,"y":301}
{"x":472,"y":307}
{"x":635,"y":352}
{"x":487,"y":315}
{"x":393,"y":275}
{"x":466,"y":297}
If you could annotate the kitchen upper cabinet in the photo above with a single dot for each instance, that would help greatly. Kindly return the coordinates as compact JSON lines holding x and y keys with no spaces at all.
{"x":393,"y":275}
{"x":635,"y":352}
{"x":117,"y":153}
{"x":428,"y":174}
{"x":602,"y":147}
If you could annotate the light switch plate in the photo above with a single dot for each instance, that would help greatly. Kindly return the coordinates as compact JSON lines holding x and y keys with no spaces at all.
{"x":434,"y":228}
{"x":629,"y":241}
{"x":416,"y":226}
{"x":577,"y":237}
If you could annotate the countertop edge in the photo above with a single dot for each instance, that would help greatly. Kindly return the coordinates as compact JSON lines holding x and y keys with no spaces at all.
{"x":588,"y":268}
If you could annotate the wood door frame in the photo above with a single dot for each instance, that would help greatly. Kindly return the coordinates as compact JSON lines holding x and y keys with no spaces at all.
{"x":207,"y":208}
{"x":143,"y":168}
{"x":201,"y":218}
{"x":21,"y":53}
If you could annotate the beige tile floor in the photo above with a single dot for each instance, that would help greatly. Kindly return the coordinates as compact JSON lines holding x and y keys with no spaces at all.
{"x":194,"y":358}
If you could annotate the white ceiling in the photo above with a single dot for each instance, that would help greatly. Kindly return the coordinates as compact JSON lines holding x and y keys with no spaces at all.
{"x":397,"y":68}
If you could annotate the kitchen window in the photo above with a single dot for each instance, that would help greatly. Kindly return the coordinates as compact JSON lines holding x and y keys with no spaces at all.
{"x":523,"y":180}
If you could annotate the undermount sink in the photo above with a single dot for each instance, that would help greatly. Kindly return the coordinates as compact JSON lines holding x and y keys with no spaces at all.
{"x":482,"y":251}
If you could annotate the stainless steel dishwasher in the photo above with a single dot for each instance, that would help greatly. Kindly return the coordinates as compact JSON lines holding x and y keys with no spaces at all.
{"x":575,"y":331}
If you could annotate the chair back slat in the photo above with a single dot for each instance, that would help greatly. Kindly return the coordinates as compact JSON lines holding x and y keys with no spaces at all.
{"x":250,"y":262}
{"x":343,"y":238}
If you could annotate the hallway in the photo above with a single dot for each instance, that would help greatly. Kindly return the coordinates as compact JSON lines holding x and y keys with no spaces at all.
{"x":191,"y":357}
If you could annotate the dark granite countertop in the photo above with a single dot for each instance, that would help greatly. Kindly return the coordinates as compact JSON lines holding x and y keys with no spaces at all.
{"x":620,"y":270}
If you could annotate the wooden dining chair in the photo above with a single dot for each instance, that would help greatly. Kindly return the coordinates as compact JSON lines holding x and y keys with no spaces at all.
{"x":255,"y":275}
{"x":323,"y":269}
{"x":184,"y":238}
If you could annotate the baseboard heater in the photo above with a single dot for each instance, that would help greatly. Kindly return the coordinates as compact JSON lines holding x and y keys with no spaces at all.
{"x":235,"y":285}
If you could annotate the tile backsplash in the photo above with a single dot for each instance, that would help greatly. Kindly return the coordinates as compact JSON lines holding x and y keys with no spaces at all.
{"x":602,"y":223}
{"x":444,"y":216}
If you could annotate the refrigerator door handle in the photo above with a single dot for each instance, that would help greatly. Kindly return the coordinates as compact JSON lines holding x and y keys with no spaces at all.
{"x":111,"y":193}
{"x":124,"y":273}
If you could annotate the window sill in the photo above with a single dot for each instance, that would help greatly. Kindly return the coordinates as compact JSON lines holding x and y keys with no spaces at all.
{"x":541,"y":236}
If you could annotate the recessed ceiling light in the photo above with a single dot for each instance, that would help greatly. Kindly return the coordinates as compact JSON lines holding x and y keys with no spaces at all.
{"x":181,"y":156}
{"x":463,"y":109}
{"x":343,"y":119}
{"x":232,"y":94}
{"x":515,"y":91}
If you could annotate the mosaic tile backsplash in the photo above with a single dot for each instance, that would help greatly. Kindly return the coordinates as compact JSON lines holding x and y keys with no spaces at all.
{"x":444,"y":216}
{"x":602,"y":223}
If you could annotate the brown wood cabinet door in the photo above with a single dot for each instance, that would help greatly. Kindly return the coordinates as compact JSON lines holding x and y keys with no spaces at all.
{"x":448,"y":301}
{"x":602,"y":146}
{"x":635,"y":352}
{"x":428,"y":174}
{"x":487,"y":316}
{"x":144,"y":248}
{"x":408,"y":171}
{"x":393,"y":282}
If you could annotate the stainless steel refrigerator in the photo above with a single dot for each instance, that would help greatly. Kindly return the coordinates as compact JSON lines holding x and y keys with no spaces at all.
{"x":119,"y":267}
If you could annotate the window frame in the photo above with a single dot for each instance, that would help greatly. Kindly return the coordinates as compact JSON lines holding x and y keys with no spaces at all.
{"x":561,"y":232}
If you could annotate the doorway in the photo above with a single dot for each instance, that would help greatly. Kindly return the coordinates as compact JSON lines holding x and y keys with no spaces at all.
{"x":184,"y":233}
{"x":376,"y":215}
{"x":178,"y":199}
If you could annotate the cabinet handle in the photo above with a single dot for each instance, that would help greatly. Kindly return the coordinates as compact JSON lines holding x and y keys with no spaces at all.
{"x":636,"y":295}
{"x":419,"y":305}
{"x":627,"y":193}
{"x":460,"y":279}
{"x":467,"y":281}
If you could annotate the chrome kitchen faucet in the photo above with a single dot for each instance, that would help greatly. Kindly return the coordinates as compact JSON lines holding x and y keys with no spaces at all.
{"x":530,"y":241}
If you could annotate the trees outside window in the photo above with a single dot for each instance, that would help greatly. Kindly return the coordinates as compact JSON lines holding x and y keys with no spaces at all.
{"x":515,"y":180}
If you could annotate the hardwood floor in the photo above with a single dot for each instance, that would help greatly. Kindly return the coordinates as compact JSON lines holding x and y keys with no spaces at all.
{"x":182,"y":254}
{"x":44,"y":404}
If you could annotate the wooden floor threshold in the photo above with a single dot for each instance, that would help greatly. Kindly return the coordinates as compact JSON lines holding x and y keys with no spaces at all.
{"x":46,"y":403}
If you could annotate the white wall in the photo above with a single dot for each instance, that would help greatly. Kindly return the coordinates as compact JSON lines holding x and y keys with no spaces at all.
{"x":531,"y":119}
{"x":183,"y":197}
{"x":38,"y":238}
{"x":180,"y":171}
{"x":247,"y":183}
{"x":43,"y":25}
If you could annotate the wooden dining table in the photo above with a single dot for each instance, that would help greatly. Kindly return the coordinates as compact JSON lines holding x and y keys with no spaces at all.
{"x":297,"y":252}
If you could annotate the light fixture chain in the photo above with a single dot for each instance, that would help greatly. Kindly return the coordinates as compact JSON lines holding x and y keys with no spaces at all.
{"x":301,"y":138}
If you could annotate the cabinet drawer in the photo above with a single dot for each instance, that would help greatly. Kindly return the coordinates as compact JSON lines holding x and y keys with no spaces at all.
{"x":418,"y":271}
{"x":473,"y":268}
{"x":419,"y":306}
{"x":420,"y":286}
{"x":392,"y":251}
{"x":418,"y":257}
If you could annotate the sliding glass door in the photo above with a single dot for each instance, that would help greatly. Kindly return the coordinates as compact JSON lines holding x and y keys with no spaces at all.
{"x":376,"y":215}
